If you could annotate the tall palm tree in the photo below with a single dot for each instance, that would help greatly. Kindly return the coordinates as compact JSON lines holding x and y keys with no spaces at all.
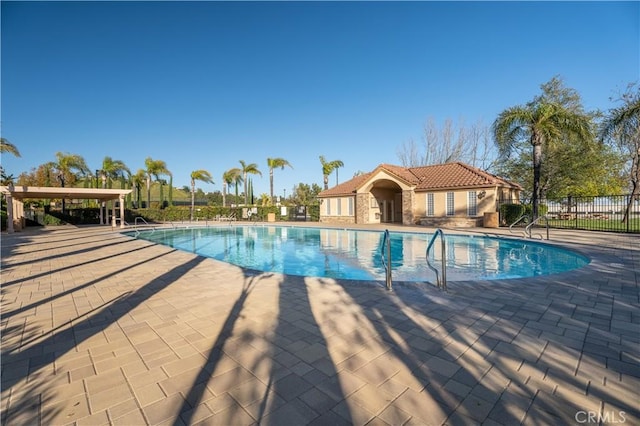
{"x":622,"y":125}
{"x":542,"y":124}
{"x":154,"y":169}
{"x":274,"y":163}
{"x":113,"y":169}
{"x":237,"y":180}
{"x":68,"y":166}
{"x":327,"y":168}
{"x":137,"y":180}
{"x":248,"y":169}
{"x":228,"y":178}
{"x":8,"y":147}
{"x":201,"y":175}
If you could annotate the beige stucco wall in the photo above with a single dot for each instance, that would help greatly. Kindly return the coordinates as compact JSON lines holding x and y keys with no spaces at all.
{"x":460,"y":201}
{"x":341,"y":205}
{"x":410,"y":207}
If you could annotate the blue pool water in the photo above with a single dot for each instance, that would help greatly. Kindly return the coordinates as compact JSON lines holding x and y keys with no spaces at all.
{"x":355,"y":254}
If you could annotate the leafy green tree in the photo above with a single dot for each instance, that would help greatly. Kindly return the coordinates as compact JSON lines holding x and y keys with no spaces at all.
{"x":274,"y":163}
{"x":327,"y":168}
{"x":572,"y":165}
{"x":203,"y":176}
{"x":154,"y":169}
{"x":304,"y":194}
{"x":246,"y":170}
{"x":214,"y":198}
{"x":8,"y":147}
{"x":543,"y":125}
{"x":4,"y":178}
{"x":622,"y":127}
{"x":68,"y":167}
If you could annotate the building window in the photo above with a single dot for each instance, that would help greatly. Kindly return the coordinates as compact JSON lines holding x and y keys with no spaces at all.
{"x":339,"y":207}
{"x":328,"y":206}
{"x":430,"y":207}
{"x":472,"y":203}
{"x":451,"y":210}
{"x":350,"y":206}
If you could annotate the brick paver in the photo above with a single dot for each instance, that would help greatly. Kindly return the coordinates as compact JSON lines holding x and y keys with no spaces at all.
{"x":101,"y":328}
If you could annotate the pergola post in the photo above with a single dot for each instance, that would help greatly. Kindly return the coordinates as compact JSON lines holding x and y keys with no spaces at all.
{"x":121,"y":211}
{"x":10,"y":229}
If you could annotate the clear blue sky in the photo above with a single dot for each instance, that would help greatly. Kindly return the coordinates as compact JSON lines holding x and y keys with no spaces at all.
{"x":202,"y":85}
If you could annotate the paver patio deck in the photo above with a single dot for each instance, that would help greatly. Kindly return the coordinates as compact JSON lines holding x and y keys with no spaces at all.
{"x":100,"y":328}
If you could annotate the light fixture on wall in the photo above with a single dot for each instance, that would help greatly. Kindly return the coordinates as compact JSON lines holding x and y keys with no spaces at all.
{"x":481,"y":194}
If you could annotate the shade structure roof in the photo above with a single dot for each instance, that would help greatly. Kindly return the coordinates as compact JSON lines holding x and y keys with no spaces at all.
{"x":39,"y":192}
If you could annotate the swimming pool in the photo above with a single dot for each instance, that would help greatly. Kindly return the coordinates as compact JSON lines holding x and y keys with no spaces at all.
{"x":355,"y":254}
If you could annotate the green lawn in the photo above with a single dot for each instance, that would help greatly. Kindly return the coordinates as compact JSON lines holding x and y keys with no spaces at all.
{"x":596,"y":224}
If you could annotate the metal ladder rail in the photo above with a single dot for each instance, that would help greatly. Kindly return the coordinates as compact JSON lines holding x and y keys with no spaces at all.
{"x":232,"y":216}
{"x":524,"y":216}
{"x":440,"y":283}
{"x":386,"y":244}
{"x":527,"y":230}
{"x":135,"y":225}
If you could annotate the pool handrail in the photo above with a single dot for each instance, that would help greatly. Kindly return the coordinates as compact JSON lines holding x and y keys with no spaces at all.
{"x":232,"y":216}
{"x":527,"y":230}
{"x":386,"y":244}
{"x":518,"y":220}
{"x":440,"y":283}
{"x":141,"y":219}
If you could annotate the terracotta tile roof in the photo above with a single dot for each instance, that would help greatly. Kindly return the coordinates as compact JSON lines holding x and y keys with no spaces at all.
{"x":456,"y":175}
{"x":346,"y":188}
{"x":425,"y":178}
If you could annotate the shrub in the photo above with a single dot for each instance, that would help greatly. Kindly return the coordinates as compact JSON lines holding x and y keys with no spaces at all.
{"x":509,"y":213}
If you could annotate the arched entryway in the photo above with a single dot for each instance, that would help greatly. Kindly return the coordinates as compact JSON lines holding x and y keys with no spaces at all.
{"x":386,"y":201}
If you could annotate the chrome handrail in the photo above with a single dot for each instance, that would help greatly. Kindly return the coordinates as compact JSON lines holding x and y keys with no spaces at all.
{"x":135,"y":225}
{"x":386,"y":243}
{"x":524,"y":216}
{"x":527,"y":230}
{"x":232,"y":216}
{"x":440,"y":283}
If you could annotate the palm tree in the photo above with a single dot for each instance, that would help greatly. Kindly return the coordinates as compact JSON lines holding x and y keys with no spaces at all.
{"x":137,"y":180}
{"x":201,"y":175}
{"x":113,"y":169}
{"x":274,"y":163}
{"x":68,"y":166}
{"x":8,"y":147}
{"x":237,"y":180}
{"x":228,"y":178}
{"x":154,"y":168}
{"x":542,"y":123}
{"x":327,"y":168}
{"x":623,"y":126}
{"x":246,"y":169}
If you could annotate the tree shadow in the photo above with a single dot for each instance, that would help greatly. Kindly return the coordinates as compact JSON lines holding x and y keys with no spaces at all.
{"x":24,"y":308}
{"x":33,"y":357}
{"x":285,"y":374}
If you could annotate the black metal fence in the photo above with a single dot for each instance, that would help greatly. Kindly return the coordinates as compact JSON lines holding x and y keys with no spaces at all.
{"x":595,"y":213}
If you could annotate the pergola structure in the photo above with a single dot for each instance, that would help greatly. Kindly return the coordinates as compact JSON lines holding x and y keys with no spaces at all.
{"x":16,"y":194}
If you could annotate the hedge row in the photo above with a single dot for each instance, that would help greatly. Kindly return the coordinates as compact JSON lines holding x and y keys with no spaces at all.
{"x":509,"y":213}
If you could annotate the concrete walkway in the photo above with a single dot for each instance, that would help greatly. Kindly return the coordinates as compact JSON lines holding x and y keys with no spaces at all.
{"x":99,"y":328}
